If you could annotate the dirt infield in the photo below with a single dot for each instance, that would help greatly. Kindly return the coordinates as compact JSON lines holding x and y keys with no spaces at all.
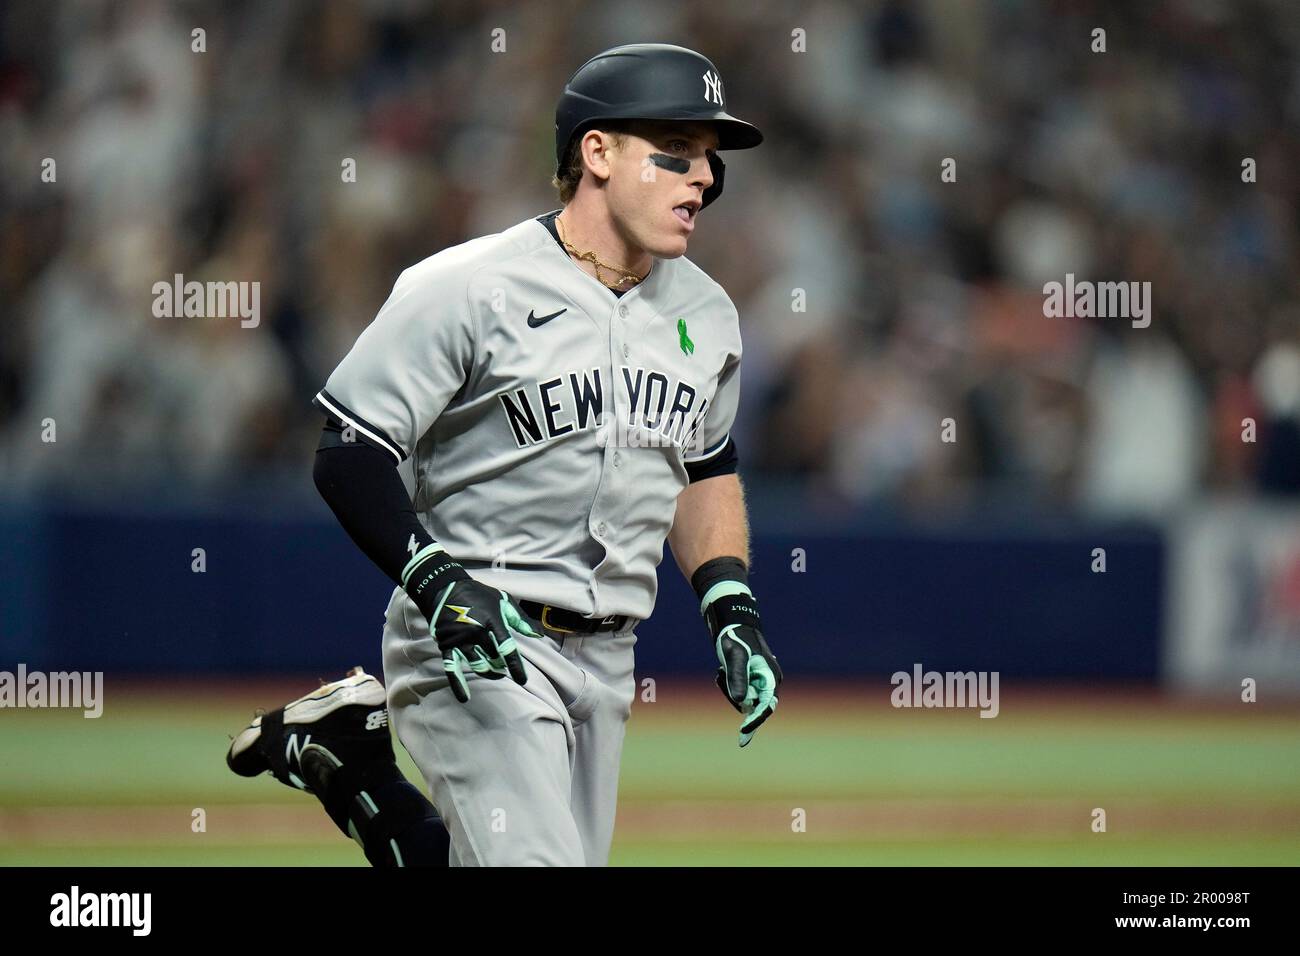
{"x":676,"y":819}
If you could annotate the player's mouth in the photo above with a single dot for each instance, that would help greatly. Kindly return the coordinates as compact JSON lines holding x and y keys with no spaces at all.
{"x":686,"y":212}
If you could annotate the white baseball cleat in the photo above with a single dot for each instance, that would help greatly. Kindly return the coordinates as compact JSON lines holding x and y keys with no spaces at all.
{"x":342,"y":722}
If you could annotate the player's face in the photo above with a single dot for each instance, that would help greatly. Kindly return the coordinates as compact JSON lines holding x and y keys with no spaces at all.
{"x":653,"y":203}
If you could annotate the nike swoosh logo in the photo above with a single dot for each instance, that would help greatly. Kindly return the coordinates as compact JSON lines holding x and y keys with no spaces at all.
{"x":538,"y":320}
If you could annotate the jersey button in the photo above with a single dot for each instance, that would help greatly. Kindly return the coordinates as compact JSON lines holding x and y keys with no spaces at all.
{"x":617,"y":459}
{"x":600,"y":530}
{"x":622,"y":311}
{"x":626,"y":351}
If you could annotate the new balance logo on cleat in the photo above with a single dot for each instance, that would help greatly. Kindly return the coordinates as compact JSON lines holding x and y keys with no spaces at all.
{"x":293,"y":749}
{"x":377,"y":720}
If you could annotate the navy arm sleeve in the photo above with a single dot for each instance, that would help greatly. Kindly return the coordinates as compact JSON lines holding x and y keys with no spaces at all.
{"x":361,"y":485}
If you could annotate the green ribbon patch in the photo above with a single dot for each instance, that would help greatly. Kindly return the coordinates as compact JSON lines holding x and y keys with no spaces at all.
{"x":688,"y":347}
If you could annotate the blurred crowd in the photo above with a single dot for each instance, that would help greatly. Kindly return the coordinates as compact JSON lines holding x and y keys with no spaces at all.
{"x":877,"y":299}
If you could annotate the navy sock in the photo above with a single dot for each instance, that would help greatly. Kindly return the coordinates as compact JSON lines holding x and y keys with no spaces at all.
{"x":409,"y":830}
{"x":378,"y":807}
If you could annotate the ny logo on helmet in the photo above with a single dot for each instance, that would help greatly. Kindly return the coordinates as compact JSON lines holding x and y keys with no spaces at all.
{"x":712,"y":88}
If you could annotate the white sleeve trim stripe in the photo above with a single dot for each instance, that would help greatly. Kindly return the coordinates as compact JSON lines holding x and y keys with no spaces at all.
{"x":709,"y":452}
{"x":360,"y":426}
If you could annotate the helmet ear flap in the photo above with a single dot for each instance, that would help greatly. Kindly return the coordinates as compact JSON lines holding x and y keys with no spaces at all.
{"x":717,"y":167}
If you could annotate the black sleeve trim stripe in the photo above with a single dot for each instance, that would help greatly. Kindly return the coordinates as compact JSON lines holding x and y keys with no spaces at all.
{"x":373,"y":436}
{"x":725,"y":462}
{"x":709,"y":452}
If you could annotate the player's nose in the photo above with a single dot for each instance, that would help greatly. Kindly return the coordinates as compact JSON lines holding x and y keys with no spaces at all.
{"x":701,"y":173}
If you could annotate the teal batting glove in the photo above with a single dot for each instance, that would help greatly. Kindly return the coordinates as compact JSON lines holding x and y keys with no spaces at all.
{"x":473,"y":623}
{"x":748,"y":674}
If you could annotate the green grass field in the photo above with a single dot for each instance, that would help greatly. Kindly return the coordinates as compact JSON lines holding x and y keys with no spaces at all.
{"x":1182,"y":783}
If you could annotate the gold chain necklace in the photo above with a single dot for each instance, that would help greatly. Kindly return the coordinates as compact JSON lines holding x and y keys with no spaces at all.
{"x":591,"y":257}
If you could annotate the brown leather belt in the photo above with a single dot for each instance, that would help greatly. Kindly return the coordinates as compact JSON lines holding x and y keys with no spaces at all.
{"x":571,"y":622}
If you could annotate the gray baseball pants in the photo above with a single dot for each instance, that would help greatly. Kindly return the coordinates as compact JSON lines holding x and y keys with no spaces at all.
{"x":522,"y":775}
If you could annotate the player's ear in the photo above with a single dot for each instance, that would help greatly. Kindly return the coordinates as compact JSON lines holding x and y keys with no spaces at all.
{"x":596,"y":146}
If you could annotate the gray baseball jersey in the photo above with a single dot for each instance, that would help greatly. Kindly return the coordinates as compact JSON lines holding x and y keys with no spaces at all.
{"x":547,"y":424}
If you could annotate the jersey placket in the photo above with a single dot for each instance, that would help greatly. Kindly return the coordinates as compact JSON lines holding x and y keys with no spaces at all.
{"x":612,"y":488}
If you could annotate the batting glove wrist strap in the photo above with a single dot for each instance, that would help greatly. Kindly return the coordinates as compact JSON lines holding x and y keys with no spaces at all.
{"x":428,"y":574}
{"x":729,"y":604}
{"x":722,"y":586}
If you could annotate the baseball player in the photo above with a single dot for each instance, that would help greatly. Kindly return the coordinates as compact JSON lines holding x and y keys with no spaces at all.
{"x":528,"y":418}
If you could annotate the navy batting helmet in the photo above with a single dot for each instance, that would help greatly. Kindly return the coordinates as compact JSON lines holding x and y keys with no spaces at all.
{"x":650,"y":81}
